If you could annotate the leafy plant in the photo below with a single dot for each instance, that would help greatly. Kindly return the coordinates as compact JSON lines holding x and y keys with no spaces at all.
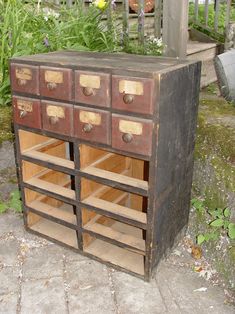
{"x":3,"y":207}
{"x":218,"y":222}
{"x":14,"y":203}
{"x":152,"y":46}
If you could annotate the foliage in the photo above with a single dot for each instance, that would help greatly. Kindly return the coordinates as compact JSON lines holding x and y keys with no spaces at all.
{"x":3,"y":207}
{"x":152,"y":46}
{"x":14,"y":203}
{"x":30,"y":29}
{"x":218,"y":222}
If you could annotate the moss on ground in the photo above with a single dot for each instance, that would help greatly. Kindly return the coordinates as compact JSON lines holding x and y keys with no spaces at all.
{"x":6,"y":133}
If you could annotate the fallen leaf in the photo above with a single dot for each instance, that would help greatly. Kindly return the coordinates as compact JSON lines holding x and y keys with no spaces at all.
{"x":196,"y":252}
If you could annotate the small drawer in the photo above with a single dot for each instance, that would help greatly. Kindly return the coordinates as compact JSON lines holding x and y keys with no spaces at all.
{"x":132,"y":135}
{"x":132,"y":94}
{"x":92,"y":125}
{"x":57,"y":117}
{"x":25,"y":78}
{"x":56,"y":83}
{"x":27,"y":112}
{"x":92,"y":88}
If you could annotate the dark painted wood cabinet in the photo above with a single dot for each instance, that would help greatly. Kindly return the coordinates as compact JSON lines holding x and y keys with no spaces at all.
{"x":105,"y":152}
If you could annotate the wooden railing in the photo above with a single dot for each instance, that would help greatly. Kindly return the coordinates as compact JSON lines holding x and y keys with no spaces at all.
{"x":212,"y":16}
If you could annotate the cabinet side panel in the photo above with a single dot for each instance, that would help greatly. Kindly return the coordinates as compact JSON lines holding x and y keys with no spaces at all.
{"x":179,"y":91}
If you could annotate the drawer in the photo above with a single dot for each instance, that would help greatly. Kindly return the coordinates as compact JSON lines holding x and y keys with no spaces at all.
{"x":57,"y":117}
{"x":132,"y":135}
{"x":92,"y":125}
{"x":25,"y":78}
{"x":132,"y":94}
{"x":27,"y":112}
{"x":56,"y":83}
{"x":92,"y":88}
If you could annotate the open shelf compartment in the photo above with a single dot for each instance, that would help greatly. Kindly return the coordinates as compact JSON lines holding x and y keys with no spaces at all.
{"x":123,"y":170}
{"x":51,"y":208}
{"x":48,"y":180}
{"x":113,"y":254}
{"x":46,"y":149}
{"x":52,"y":230}
{"x":115,"y":232}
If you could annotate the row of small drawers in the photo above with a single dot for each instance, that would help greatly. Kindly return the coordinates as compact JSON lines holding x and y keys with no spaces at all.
{"x":122,"y":132}
{"x":94,"y":88}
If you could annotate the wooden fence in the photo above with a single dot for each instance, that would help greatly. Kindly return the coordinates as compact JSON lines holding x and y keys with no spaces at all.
{"x":213,"y":16}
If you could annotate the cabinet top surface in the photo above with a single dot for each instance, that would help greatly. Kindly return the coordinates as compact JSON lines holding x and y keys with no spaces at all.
{"x":105,"y":61}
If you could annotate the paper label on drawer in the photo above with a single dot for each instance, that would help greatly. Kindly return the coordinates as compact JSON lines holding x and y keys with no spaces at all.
{"x":90,"y":117}
{"x":25,"y":105}
{"x":55,"y":111}
{"x":23,"y":74}
{"x":54,"y":77}
{"x":131,"y":87}
{"x":92,"y":81}
{"x":130,"y":127}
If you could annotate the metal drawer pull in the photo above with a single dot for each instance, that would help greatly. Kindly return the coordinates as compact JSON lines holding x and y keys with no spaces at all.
{"x":127,"y":137}
{"x":87,"y":127}
{"x":53,"y":120}
{"x":23,"y":113}
{"x":21,"y":82}
{"x":128,"y":99}
{"x":51,"y":86}
{"x":88,"y":91}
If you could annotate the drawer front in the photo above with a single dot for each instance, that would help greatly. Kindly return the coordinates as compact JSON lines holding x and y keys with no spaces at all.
{"x":92,"y":88}
{"x":25,"y":78}
{"x":132,"y":135}
{"x":57,"y":117}
{"x":92,"y":125}
{"x":27,"y":112}
{"x":56,"y":83}
{"x":132,"y":94}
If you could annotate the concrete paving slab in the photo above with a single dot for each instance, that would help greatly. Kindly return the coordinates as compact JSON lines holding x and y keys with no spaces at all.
{"x":11,"y":223}
{"x":9,"y":249}
{"x":136,"y":296}
{"x":43,"y":296}
{"x":183,"y":286}
{"x":8,"y":303}
{"x":89,"y":288}
{"x":7,"y":157}
{"x":43,"y":262}
{"x":9,"y":280}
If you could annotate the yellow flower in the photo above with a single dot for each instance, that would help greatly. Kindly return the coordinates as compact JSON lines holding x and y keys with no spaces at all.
{"x":100,"y":4}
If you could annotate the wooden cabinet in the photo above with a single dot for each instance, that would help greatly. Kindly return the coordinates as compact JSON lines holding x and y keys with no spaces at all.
{"x":105,"y":152}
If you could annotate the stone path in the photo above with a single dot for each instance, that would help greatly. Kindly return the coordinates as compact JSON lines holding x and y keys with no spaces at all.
{"x":37,"y":276}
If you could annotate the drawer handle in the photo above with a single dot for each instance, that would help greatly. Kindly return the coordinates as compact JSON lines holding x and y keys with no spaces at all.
{"x":128,"y":99}
{"x":23,"y":113}
{"x":87,"y":127}
{"x":53,"y":120}
{"x":88,"y":91}
{"x":51,"y":86}
{"x":127,"y":137}
{"x":21,"y":82}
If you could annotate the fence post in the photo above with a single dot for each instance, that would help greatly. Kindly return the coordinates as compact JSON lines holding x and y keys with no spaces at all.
{"x":175,"y":28}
